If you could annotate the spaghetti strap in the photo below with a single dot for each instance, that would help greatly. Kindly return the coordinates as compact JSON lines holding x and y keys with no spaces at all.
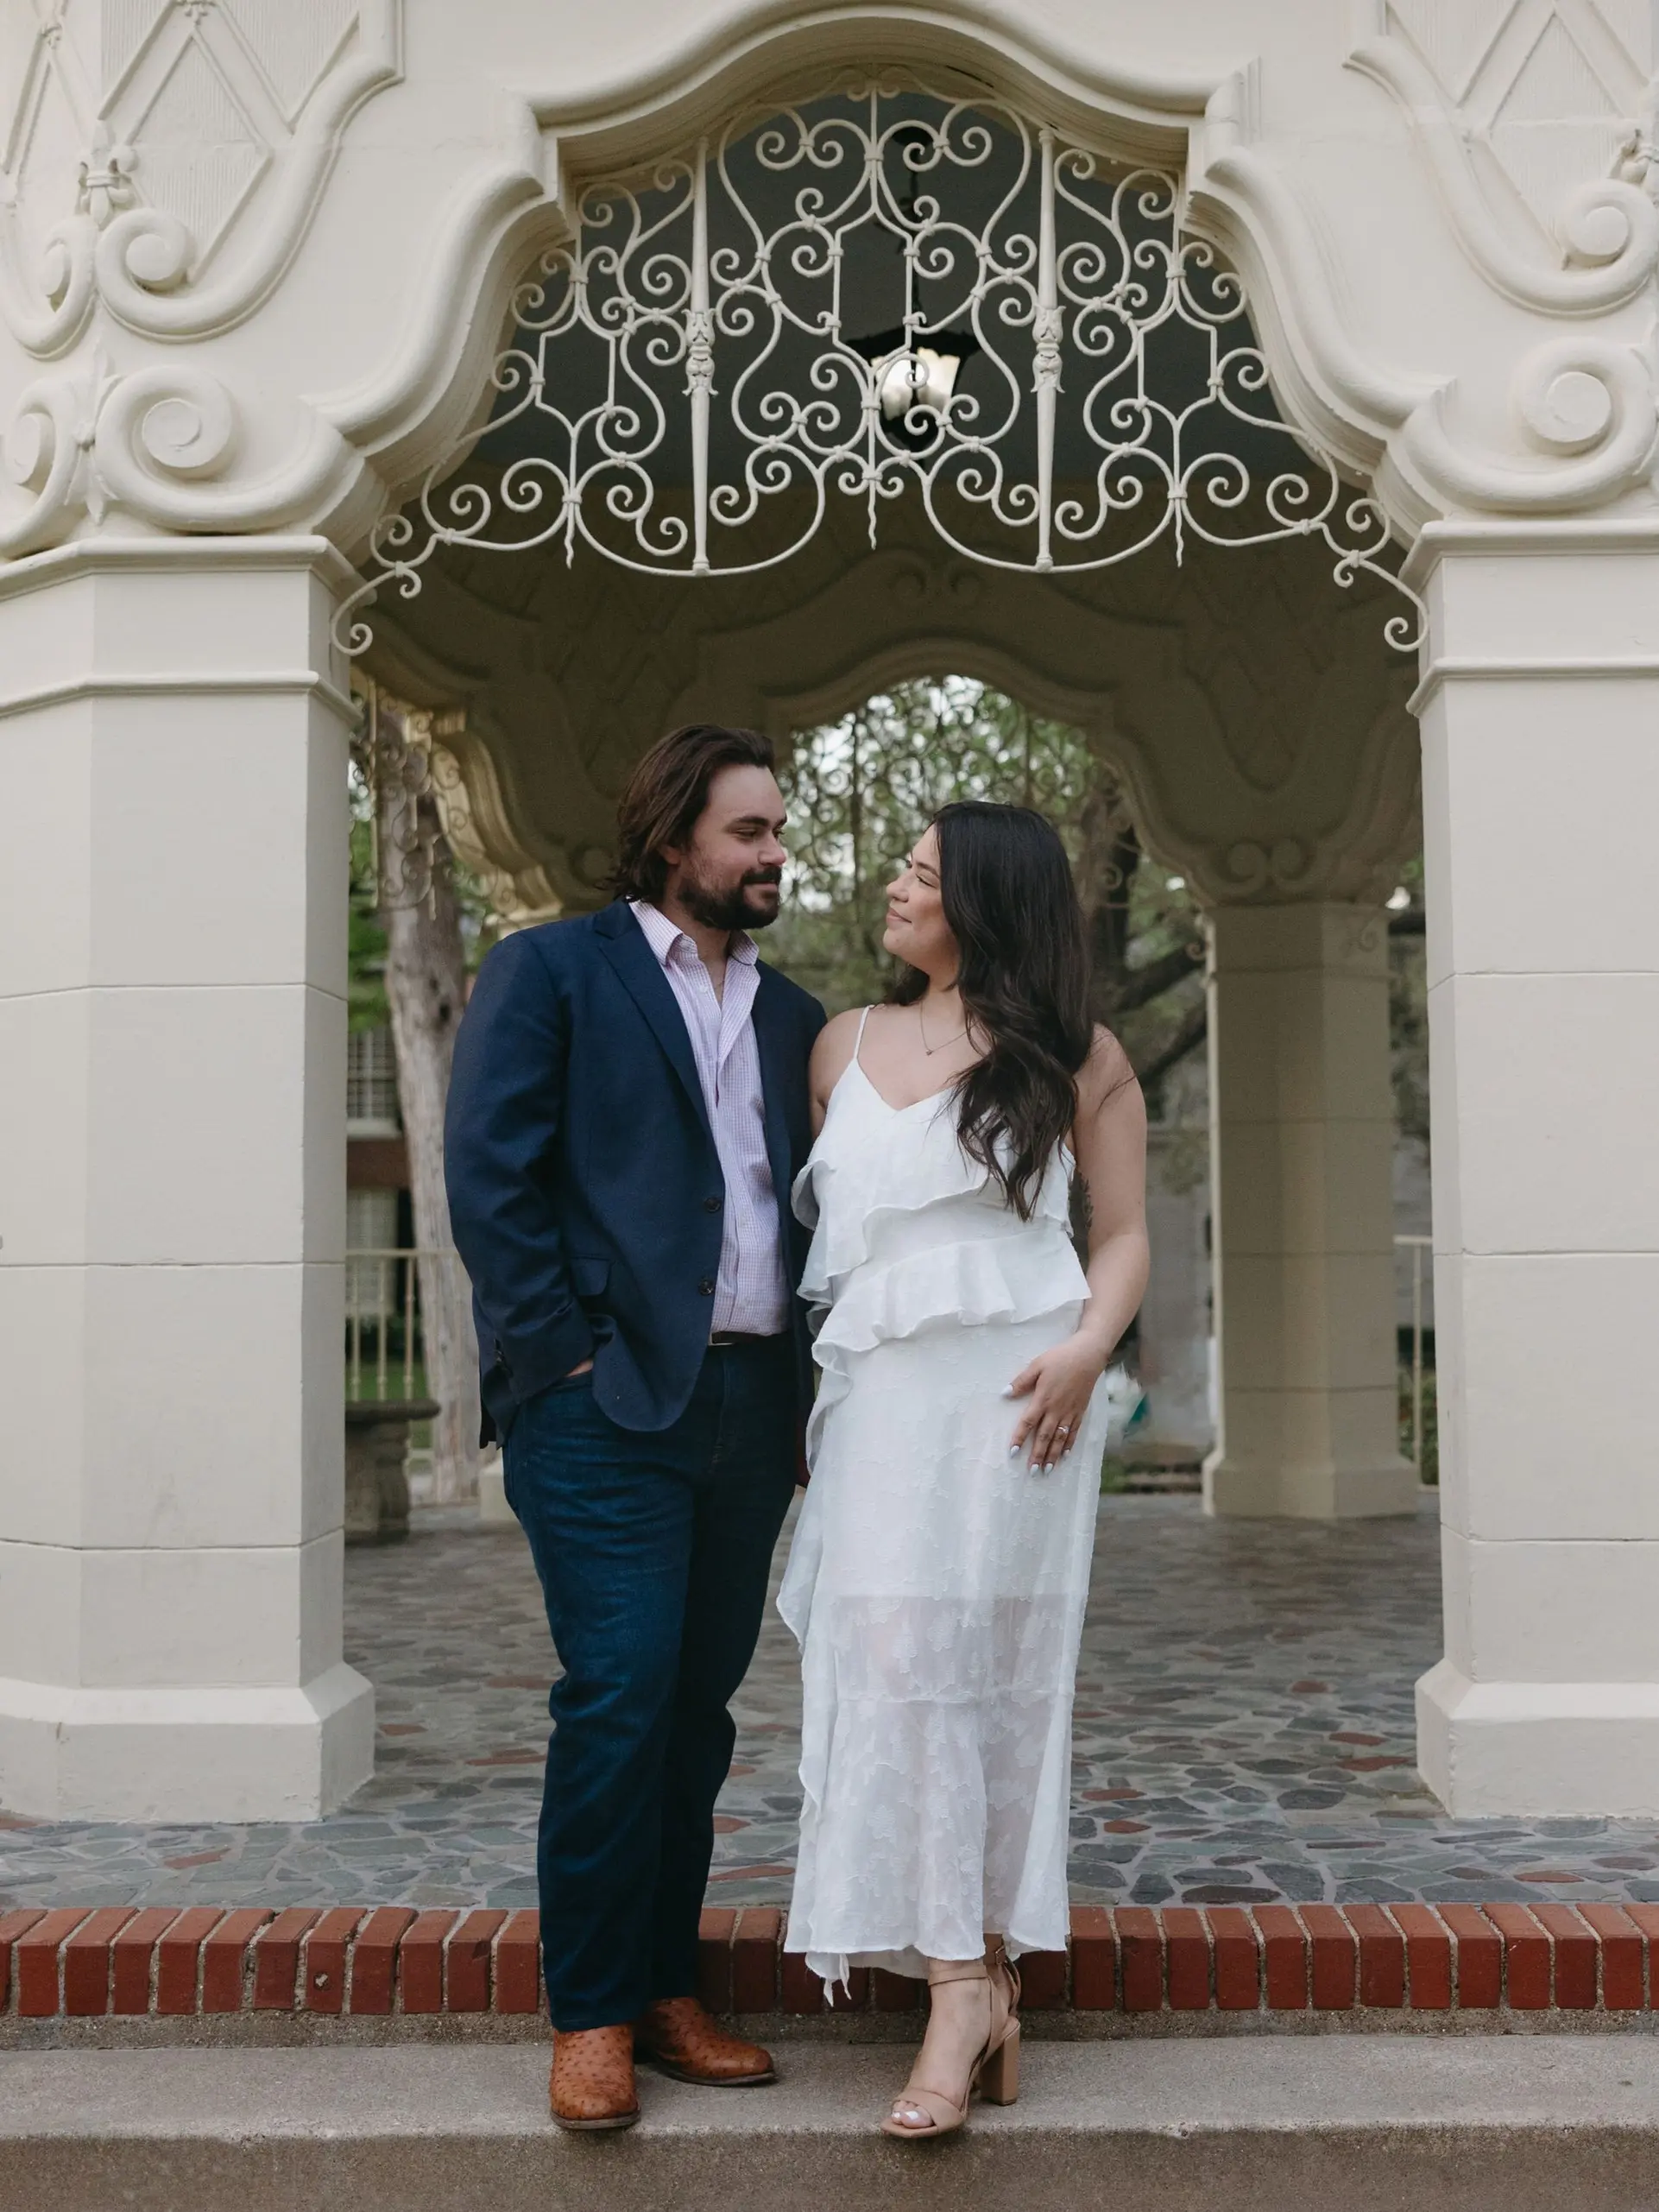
{"x":858,"y":1041}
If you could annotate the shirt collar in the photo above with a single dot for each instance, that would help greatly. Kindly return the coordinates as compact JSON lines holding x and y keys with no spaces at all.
{"x":664,"y":936}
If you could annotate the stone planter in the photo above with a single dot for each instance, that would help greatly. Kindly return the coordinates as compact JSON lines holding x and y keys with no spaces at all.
{"x":377,"y":1481}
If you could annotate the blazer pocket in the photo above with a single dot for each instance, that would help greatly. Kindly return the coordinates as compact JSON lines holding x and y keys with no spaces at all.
{"x":589,"y":1278}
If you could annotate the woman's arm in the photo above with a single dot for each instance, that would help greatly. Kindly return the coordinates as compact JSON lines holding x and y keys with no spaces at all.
{"x":1109,"y":1143}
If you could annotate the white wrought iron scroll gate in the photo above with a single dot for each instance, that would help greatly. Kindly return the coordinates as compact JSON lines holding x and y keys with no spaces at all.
{"x":881,"y":292}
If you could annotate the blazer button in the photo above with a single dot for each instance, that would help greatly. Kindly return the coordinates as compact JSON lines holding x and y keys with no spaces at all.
{"x":706,"y":1287}
{"x":712,"y":1205}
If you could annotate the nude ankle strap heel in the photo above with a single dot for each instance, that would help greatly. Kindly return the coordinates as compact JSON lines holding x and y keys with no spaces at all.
{"x":995,"y":2072}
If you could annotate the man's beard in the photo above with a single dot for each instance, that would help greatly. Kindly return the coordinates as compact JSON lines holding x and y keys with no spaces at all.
{"x":726,"y":906}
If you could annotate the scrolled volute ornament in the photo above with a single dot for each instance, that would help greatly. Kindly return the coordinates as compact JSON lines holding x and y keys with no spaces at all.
{"x":47,"y":299}
{"x":142,"y":254}
{"x":41,"y":455}
{"x":1608,"y":223}
{"x":1585,"y":403}
{"x":1285,"y":869}
{"x":159,"y":431}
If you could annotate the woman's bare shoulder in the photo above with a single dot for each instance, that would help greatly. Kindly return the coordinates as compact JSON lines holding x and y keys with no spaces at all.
{"x":1108,"y":1073}
{"x":833,"y":1051}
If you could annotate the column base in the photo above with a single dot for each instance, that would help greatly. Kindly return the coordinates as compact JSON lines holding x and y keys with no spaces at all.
{"x":1310,"y":1493}
{"x":185,"y":1754}
{"x":1539,"y":1748}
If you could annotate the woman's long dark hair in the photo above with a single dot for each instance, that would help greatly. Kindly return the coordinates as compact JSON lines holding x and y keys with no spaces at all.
{"x":1011,"y":904}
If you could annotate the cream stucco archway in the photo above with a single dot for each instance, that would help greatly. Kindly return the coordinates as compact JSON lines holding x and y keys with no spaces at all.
{"x":216,"y":376}
{"x":1256,"y":717}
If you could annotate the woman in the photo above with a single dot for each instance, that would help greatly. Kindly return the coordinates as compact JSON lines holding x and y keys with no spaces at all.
{"x":940,"y":1568}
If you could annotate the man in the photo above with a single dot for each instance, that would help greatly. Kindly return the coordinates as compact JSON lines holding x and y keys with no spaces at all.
{"x":628,"y":1112}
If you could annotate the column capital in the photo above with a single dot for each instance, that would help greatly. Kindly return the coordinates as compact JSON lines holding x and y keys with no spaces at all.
{"x":1339,"y":936}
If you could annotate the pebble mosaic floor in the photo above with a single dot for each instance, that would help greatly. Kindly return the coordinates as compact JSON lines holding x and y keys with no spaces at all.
{"x":1244,"y":1733}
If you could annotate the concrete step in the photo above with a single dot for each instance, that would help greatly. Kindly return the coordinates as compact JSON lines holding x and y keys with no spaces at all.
{"x":1271,"y":2124}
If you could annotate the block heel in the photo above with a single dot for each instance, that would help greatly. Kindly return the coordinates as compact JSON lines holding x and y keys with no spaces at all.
{"x":999,"y":2080}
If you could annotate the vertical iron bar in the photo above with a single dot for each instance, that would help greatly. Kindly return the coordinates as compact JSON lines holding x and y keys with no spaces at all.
{"x":700,"y":360}
{"x":411,"y":1268}
{"x":384,"y":1305}
{"x":1045,"y":369}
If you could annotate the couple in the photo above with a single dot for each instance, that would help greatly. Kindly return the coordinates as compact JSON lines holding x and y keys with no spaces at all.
{"x":660,"y":1155}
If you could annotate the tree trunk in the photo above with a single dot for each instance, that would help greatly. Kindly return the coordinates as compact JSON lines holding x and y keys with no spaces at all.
{"x":1106,"y":871}
{"x":425,"y":990}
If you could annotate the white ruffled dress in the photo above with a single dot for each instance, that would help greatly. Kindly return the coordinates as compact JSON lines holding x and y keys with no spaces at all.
{"x":935,"y":1585}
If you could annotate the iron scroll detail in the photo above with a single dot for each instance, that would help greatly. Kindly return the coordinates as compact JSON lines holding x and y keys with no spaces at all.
{"x":882,"y":292}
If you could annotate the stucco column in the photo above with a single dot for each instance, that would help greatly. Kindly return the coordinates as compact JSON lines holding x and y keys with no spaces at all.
{"x":1539,"y":707}
{"x":172,"y":880}
{"x":1302,"y":1129}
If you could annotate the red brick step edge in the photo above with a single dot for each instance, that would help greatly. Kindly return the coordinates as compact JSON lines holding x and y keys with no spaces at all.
{"x":160,"y":1961}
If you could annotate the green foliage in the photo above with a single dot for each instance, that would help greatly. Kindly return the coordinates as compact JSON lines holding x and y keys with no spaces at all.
{"x":861,"y":790}
{"x":1430,"y":1471}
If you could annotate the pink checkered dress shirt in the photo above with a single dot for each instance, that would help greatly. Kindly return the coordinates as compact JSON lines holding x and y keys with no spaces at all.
{"x":750,"y":1291}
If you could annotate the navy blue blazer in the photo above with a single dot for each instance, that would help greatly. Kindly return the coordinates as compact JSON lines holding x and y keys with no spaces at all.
{"x":585,"y":1193}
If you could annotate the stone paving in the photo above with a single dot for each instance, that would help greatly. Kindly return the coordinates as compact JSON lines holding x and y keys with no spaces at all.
{"x":1244,"y":1733}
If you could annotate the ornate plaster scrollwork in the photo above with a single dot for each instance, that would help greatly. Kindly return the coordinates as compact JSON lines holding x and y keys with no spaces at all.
{"x":84,"y":440}
{"x":1249,"y":869}
{"x":43,"y":453}
{"x":175,"y":248}
{"x":160,"y":432}
{"x":1498,"y":120}
{"x":1587,"y":404}
{"x":152,"y":442}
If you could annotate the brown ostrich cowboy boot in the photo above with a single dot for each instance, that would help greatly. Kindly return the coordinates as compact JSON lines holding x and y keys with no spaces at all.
{"x":682,"y":2037}
{"x":591,"y":2085}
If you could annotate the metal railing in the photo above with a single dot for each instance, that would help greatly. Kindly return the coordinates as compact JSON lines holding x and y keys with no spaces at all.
{"x":1416,"y":1246}
{"x":384,"y":1337}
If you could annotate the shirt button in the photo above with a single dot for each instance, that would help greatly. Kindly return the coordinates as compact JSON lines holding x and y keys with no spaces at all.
{"x":712,"y":1205}
{"x":706,"y":1287}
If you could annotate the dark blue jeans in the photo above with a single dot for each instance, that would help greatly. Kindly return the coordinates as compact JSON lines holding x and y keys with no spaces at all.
{"x":653,"y":1552}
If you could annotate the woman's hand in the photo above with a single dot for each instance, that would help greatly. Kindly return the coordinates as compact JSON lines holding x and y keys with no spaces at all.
{"x":1059,"y":1384}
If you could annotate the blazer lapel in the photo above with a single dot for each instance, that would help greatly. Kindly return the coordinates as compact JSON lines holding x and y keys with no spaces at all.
{"x":625,"y":947}
{"x":776,"y":1078}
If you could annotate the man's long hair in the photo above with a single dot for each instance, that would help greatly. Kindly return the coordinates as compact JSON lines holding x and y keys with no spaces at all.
{"x":667,"y":792}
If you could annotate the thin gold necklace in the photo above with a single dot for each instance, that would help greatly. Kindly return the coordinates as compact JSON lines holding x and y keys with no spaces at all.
{"x":922,"y":1024}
